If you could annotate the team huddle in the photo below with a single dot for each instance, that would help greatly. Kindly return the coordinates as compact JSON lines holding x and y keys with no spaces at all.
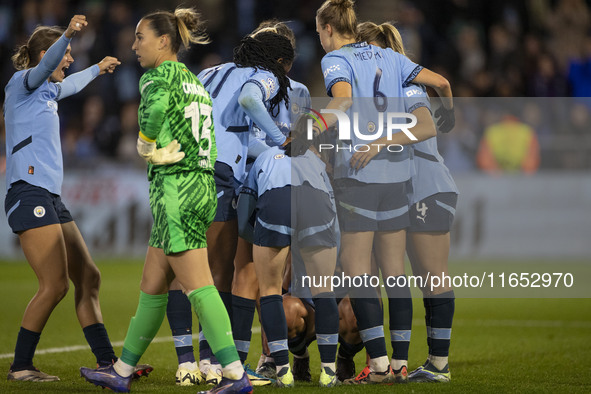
{"x":247,"y":200}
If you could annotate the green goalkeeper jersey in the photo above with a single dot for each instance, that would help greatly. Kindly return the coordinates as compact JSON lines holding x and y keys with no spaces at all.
{"x":174,"y":105}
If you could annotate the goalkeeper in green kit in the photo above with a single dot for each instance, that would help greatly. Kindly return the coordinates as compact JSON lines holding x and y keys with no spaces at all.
{"x":175,"y":113}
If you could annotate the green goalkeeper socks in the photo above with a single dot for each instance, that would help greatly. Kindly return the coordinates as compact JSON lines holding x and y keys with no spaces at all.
{"x":215,"y":323}
{"x":143,"y":326}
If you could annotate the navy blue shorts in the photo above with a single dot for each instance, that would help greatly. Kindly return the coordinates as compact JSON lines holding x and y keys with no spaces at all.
{"x":434,"y":213}
{"x":29,"y":206}
{"x":272,"y":227}
{"x":293,"y":214}
{"x":371,"y":206}
{"x":226,"y":186}
{"x":314,"y":217}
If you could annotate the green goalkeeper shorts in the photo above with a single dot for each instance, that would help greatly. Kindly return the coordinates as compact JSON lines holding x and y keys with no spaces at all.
{"x":183,"y":206}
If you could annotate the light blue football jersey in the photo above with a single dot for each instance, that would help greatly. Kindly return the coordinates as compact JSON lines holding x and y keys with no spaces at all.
{"x":231,"y":124}
{"x":33,"y":146}
{"x":299,"y":99}
{"x":273,"y":169}
{"x":429,"y":175}
{"x":377,"y":77}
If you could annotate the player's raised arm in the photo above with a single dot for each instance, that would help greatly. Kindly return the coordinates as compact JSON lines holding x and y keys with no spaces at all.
{"x":46,"y":53}
{"x":76,"y":82}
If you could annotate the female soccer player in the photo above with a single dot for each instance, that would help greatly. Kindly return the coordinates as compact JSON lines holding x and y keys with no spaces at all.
{"x":47,"y":232}
{"x":175,"y":109}
{"x":432,"y":205}
{"x":245,"y":284}
{"x":292,"y":197}
{"x":247,"y":90}
{"x":256,"y":78}
{"x":372,"y":202}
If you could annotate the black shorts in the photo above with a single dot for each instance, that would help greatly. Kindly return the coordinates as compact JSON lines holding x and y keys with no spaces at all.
{"x":434,"y":213}
{"x":226,"y":187}
{"x":371,"y":206}
{"x":29,"y":206}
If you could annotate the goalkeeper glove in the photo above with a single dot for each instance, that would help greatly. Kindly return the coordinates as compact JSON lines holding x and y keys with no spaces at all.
{"x":169,"y":154}
{"x":446,"y":119}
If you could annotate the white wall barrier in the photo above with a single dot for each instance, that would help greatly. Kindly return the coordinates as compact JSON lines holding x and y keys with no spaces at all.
{"x":547,"y":215}
{"x":111,"y":210}
{"x":543,"y":216}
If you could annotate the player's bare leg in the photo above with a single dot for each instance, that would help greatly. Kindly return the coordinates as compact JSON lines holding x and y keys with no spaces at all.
{"x":222,"y":241}
{"x":84,"y":274}
{"x":45,"y":250}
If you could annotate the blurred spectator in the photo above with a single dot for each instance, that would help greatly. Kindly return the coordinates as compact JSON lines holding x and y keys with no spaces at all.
{"x":459,"y":147}
{"x":506,"y":48}
{"x":579,"y":73}
{"x":509,"y":146}
{"x":473,"y":57}
{"x":569,"y":24}
{"x":546,"y":81}
{"x":126,"y":150}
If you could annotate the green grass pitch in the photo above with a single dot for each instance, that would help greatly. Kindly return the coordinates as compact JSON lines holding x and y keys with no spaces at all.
{"x":498,"y":345}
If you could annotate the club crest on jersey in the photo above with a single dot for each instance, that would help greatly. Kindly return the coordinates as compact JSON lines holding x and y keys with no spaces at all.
{"x":279,"y":156}
{"x":39,"y":211}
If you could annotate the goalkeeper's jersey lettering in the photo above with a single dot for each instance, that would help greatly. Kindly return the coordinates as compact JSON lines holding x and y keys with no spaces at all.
{"x":187,"y":107}
{"x":191,"y":88}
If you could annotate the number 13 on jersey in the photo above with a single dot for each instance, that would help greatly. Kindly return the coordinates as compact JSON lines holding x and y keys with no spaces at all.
{"x":194,"y":111}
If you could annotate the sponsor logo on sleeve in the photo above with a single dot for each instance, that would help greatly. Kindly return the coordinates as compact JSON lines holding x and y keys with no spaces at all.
{"x":413,"y":92}
{"x":334,"y":67}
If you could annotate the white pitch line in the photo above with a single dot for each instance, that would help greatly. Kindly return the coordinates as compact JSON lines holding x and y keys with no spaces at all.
{"x":457,"y":322}
{"x":75,"y":348}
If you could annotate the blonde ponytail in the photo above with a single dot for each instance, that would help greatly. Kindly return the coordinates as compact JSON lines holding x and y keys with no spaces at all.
{"x":384,"y":35}
{"x":190,"y":27}
{"x":183,"y":27}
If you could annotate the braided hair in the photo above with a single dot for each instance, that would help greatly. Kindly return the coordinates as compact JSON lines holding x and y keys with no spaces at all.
{"x":264,"y":52}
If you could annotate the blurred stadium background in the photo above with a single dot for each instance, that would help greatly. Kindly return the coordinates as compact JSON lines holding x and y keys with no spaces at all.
{"x":530,"y":59}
